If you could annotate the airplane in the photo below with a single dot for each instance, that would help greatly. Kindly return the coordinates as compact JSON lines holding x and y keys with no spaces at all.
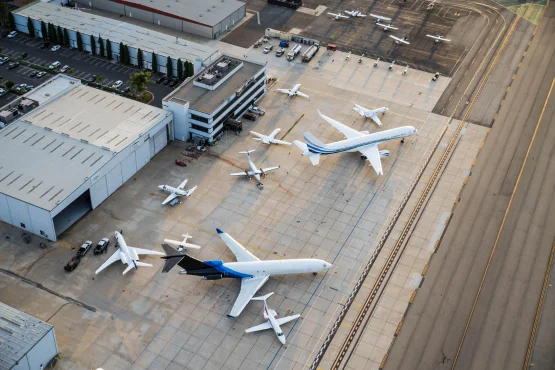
{"x":438,"y":38}
{"x":176,"y":192}
{"x":271,"y":321}
{"x":252,"y":271}
{"x":127,"y":255}
{"x":269,"y":139}
{"x":398,"y":41}
{"x":386,"y":27}
{"x":254,"y":171}
{"x":337,"y":17}
{"x":379,"y":18}
{"x":370,"y":113}
{"x":183,"y":244}
{"x":354,"y":13}
{"x":348,"y":57}
{"x":294,"y":91}
{"x":361,"y":141}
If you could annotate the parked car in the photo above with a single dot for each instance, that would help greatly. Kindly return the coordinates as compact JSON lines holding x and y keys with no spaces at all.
{"x":284,"y":44}
{"x":117,"y":84}
{"x":279,"y":52}
{"x":54,"y":65}
{"x":436,"y":76}
{"x":173,"y":82}
{"x":2,"y":92}
{"x":102,"y":246}
{"x":64,"y":69}
{"x":127,"y":89}
{"x":249,"y":116}
{"x":34,"y":74}
{"x":13,"y":65}
{"x":84,"y":249}
{"x":265,"y":39}
{"x":45,"y":45}
{"x":93,"y":78}
{"x":201,"y":148}
{"x":55,"y":48}
{"x":12,"y":34}
{"x":166,"y":81}
{"x":28,"y":88}
{"x":180,"y":163}
{"x":41,"y":74}
{"x":257,"y":110}
{"x":268,"y":48}
{"x":4,"y":60}
{"x":160,"y":79}
{"x":72,"y":264}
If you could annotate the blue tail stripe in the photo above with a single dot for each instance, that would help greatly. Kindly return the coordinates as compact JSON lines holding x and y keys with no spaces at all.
{"x":218,"y":265}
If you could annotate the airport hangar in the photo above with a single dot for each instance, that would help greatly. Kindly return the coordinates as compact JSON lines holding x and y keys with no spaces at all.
{"x":115,"y":31}
{"x":69,"y":154}
{"x":207,"y":18}
{"x":204,"y":104}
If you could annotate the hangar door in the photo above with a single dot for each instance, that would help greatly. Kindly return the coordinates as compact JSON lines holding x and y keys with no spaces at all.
{"x":160,"y":139}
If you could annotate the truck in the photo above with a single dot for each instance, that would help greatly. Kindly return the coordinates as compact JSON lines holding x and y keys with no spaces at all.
{"x":284,"y":44}
{"x":310,"y":53}
{"x":294,"y":52}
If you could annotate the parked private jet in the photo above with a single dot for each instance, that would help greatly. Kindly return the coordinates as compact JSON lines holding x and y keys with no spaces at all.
{"x":176,"y":192}
{"x":294,"y":91}
{"x":337,"y":17}
{"x":438,"y":38}
{"x":399,"y":41}
{"x":127,"y":255}
{"x":269,"y":139}
{"x":253,"y":171}
{"x":271,"y":321}
{"x":354,"y":13}
{"x":252,"y":271}
{"x":361,"y":141}
{"x":370,"y":113}
{"x":183,"y":244}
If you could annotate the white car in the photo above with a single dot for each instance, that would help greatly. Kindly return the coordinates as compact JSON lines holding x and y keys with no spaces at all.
{"x":117,"y":84}
{"x":267,"y":49}
{"x":12,"y":34}
{"x":64,"y":69}
{"x":55,"y":48}
{"x":54,"y":65}
{"x":2,"y":92}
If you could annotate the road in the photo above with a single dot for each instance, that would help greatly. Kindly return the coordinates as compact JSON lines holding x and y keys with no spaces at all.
{"x":480,"y":295}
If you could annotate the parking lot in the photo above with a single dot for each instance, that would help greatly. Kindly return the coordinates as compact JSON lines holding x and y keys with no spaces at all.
{"x":83,"y":64}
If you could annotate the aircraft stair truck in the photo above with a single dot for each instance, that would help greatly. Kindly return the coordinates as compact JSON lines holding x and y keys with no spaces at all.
{"x":294,"y":52}
{"x":310,"y":52}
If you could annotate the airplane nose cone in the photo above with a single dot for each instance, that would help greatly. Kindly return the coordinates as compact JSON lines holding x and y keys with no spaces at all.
{"x":282,"y":339}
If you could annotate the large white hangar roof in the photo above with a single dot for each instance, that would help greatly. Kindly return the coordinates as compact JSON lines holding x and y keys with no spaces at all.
{"x":117,"y":31}
{"x":54,"y":149}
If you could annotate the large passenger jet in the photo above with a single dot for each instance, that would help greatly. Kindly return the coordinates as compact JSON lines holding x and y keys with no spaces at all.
{"x":252,"y":271}
{"x":356,"y":141}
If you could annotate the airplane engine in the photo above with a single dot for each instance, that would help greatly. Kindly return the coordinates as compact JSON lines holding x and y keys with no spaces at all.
{"x":264,"y":174}
{"x":384,"y":153}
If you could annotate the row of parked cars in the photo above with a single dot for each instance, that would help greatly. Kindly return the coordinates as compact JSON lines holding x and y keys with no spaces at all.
{"x":171,"y":81}
{"x":101,"y":247}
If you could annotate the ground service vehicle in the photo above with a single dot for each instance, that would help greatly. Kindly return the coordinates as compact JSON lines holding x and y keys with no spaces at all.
{"x":84,"y":249}
{"x":102,"y":246}
{"x":279,"y":52}
{"x":294,"y":52}
{"x":310,"y":53}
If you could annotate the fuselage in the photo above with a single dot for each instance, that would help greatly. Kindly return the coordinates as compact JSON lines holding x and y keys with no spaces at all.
{"x":126,"y":254}
{"x":274,"y":323}
{"x":171,"y":189}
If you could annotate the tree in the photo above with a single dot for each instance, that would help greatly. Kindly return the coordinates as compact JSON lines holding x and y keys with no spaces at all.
{"x":9,"y":84}
{"x":43,"y":31}
{"x":179,"y":69}
{"x":140,"y":58}
{"x":190,"y":69}
{"x":169,"y":67}
{"x":138,"y":81}
{"x":93,"y":45}
{"x":11,"y":20}
{"x":79,"y":41}
{"x":121,"y":53}
{"x":127,"y":56}
{"x":4,"y":14}
{"x":66,"y":37}
{"x":109,"y":49}
{"x":60,"y":36}
{"x":100,"y":46}
{"x":30,"y":27}
{"x":154,"y":63}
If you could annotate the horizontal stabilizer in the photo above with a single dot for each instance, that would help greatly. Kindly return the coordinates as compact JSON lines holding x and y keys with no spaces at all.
{"x":142,"y":264}
{"x":172,"y":257}
{"x":314,"y":158}
{"x":262,"y":298}
{"x":247,"y":152}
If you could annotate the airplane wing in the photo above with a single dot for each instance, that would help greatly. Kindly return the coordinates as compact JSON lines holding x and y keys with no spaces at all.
{"x":241,"y":254}
{"x":113,"y":258}
{"x":285,"y":320}
{"x":249,"y":287}
{"x":171,"y":197}
{"x":244,"y":173}
{"x":258,"y":135}
{"x":372,"y":153}
{"x":264,"y":326}
{"x":146,"y":251}
{"x":347,"y":131}
{"x":376,"y":119}
{"x":270,"y":169}
{"x":362,"y":15}
{"x":276,"y":141}
{"x":285,"y":91}
{"x":301,"y":94}
{"x":380,"y":17}
{"x":182,"y":185}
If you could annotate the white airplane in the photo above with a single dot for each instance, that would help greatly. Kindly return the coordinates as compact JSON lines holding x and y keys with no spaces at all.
{"x":438,"y":38}
{"x":183,"y":244}
{"x":361,"y":141}
{"x":294,"y":91}
{"x":252,"y":271}
{"x":271,"y":321}
{"x":370,"y":113}
{"x":127,"y":255}
{"x":348,"y":57}
{"x":354,"y":13}
{"x":398,"y":41}
{"x":254,"y":171}
{"x":176,"y":192}
{"x":386,"y":27}
{"x":337,"y":17}
{"x":379,"y":18}
{"x":269,"y":139}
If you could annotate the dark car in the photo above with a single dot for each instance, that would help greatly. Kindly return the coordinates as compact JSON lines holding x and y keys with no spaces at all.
{"x":45,"y":45}
{"x":72,"y":265}
{"x":13,"y":65}
{"x":24,"y":55}
{"x":173,"y":82}
{"x":84,"y":249}
{"x":93,"y":78}
{"x":249,"y":116}
{"x":34,"y":74}
{"x":127,"y":89}
{"x":4,"y":60}
{"x":180,"y":163}
{"x":160,"y":79}
{"x":166,"y":81}
{"x":102,"y":246}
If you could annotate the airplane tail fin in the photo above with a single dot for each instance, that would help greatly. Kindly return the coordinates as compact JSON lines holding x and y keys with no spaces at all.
{"x":172,"y":257}
{"x":262,"y":298}
{"x":314,"y":157}
{"x":248,"y":152}
{"x":314,"y":141}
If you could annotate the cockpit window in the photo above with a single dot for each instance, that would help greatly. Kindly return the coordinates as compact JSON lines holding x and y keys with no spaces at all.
{"x":280,"y":334}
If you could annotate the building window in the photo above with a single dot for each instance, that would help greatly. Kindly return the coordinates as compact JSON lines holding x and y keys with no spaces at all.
{"x":22,"y":225}
{"x":199,"y":128}
{"x":199,"y":118}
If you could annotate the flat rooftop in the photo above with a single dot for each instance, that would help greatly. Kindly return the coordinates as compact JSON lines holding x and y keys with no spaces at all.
{"x":206,"y":101}
{"x":117,"y":31}
{"x":52,"y":150}
{"x":205,"y":12}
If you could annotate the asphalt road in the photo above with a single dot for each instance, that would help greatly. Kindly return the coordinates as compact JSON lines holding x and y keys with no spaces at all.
{"x":85,"y":65}
{"x":478,"y":302}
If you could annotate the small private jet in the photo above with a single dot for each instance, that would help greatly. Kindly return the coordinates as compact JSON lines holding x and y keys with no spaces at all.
{"x":176,"y":192}
{"x":356,"y":141}
{"x":182,"y":244}
{"x":253,"y":171}
{"x":269,"y":139}
{"x":253,"y":272}
{"x":400,"y":41}
{"x":354,"y":13}
{"x":127,"y":255}
{"x":379,"y":18}
{"x":370,"y":113}
{"x":293,"y":92}
{"x":437,"y":39}
{"x":386,"y":27}
{"x":271,"y":321}
{"x":337,"y":16}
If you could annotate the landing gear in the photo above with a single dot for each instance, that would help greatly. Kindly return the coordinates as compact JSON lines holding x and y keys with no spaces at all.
{"x":363,"y":157}
{"x":260,"y":185}
{"x":314,"y":273}
{"x":402,"y":141}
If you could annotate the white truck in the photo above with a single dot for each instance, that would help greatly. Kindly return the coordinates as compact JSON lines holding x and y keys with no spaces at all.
{"x":310,"y":52}
{"x":294,"y":52}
